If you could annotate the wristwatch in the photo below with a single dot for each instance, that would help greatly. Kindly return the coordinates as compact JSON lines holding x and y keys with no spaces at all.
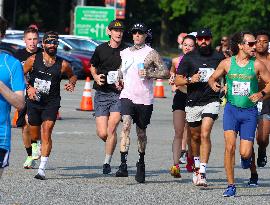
{"x":263,"y":93}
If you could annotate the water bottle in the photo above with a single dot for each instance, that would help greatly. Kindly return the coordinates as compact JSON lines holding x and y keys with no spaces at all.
{"x":141,"y":67}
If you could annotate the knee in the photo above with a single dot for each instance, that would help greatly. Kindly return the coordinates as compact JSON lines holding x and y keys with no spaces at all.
{"x":245,"y":154}
{"x":230,"y":148}
{"x":179,"y":133}
{"x":102,"y":135}
{"x":205,"y":136}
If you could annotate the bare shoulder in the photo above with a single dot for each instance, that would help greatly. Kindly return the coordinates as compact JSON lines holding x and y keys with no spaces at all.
{"x":259,"y":64}
{"x":226,"y":62}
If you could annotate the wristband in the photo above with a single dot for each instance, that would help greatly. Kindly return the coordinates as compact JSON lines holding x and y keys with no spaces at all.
{"x":28,"y":86}
{"x":189,"y":80}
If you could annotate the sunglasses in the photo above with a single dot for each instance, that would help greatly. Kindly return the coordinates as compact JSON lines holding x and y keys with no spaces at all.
{"x":206,"y":38}
{"x":250,"y":43}
{"x":137,"y":31}
{"x":224,"y":40}
{"x":54,"y":42}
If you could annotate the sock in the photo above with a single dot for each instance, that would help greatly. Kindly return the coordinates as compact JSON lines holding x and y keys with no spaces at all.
{"x":42,"y":166}
{"x":29,"y":151}
{"x":33,"y":141}
{"x":202,"y":167}
{"x":141,"y":155}
{"x":197,"y":162}
{"x":108,"y":159}
{"x":254,"y":175}
{"x":124,"y":157}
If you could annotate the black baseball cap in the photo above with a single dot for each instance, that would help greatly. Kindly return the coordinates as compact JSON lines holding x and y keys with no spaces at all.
{"x":116,"y":24}
{"x":204,"y":32}
{"x":139,"y":26}
{"x":50,"y":35}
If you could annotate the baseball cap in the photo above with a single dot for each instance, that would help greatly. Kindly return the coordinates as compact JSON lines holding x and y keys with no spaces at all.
{"x":116,"y":24}
{"x":204,"y":32}
{"x":139,"y":26}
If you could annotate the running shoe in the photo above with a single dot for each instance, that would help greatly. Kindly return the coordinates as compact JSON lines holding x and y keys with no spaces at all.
{"x":183,"y":157}
{"x":35,"y":151}
{"x":39,"y":176}
{"x":196,"y":175}
{"x":190,"y":164}
{"x":262,"y":158}
{"x":175,"y":171}
{"x":246,"y":163}
{"x":29,"y":163}
{"x":140,"y":174}
{"x":122,"y":171}
{"x":106,"y":169}
{"x":253,"y":180}
{"x":202,"y":180}
{"x":230,"y":191}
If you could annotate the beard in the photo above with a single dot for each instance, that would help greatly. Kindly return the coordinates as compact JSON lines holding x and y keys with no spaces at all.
{"x":205,"y":50}
{"x":50,"y":51}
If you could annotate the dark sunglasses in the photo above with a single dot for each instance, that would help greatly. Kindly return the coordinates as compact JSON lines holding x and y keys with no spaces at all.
{"x":224,"y":40}
{"x":54,"y":42}
{"x":137,"y":31}
{"x":206,"y":38}
{"x":250,"y":43}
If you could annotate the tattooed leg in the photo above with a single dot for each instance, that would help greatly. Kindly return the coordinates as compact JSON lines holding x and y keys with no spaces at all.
{"x":125,"y":140}
{"x":142,"y":139}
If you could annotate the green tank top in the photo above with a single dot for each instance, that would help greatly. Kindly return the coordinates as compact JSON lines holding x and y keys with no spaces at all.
{"x":241,"y":82}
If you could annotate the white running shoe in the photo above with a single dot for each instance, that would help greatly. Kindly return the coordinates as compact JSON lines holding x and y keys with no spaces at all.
{"x":183,"y":158}
{"x":36,"y":151}
{"x":202,"y":180}
{"x":196,"y":175}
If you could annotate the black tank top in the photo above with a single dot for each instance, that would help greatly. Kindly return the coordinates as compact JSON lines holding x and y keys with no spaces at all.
{"x":47,"y":81}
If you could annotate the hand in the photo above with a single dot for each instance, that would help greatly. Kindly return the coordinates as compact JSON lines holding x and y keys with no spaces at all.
{"x":256,"y":97}
{"x":195,"y":78}
{"x":142,"y":73}
{"x":215,"y":86}
{"x":172,"y":79}
{"x":100,"y":79}
{"x":119,"y":85}
{"x":32,"y":93}
{"x":69,"y":87}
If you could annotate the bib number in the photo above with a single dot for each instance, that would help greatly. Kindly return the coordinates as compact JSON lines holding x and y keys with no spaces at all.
{"x":205,"y":74}
{"x":241,"y":88}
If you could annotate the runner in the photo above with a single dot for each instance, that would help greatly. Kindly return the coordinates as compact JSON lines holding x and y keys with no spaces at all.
{"x":240,"y":113}
{"x":104,"y":63}
{"x":140,"y":64}
{"x":181,"y":129}
{"x":263,"y":128}
{"x":43,"y":90}
{"x":31,"y":41}
{"x":12,"y":88}
{"x":202,"y":106}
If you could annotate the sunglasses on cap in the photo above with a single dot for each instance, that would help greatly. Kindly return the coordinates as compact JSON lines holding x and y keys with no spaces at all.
{"x":137,"y":31}
{"x":250,"y":43}
{"x":206,"y":38}
{"x":52,"y":41}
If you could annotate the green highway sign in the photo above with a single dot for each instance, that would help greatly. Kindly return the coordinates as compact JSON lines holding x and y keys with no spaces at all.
{"x":92,"y":21}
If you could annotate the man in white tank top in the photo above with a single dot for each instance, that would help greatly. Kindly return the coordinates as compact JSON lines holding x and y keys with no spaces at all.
{"x":140,"y":65}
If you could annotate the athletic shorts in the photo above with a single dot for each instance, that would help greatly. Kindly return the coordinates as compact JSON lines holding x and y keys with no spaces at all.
{"x":4,"y":158}
{"x":21,"y":117}
{"x":179,"y":101}
{"x":240,"y":120}
{"x":37,"y":115}
{"x":141,"y":114}
{"x":264,"y":116}
{"x":105,"y":103}
{"x":195,"y":114}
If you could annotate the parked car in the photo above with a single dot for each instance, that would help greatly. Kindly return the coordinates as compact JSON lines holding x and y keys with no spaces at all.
{"x":12,"y":45}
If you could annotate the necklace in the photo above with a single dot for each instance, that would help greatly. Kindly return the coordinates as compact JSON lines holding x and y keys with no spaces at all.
{"x":48,"y":63}
{"x":241,"y":64}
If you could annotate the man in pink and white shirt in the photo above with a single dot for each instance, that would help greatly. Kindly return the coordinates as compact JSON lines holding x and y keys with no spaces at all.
{"x":140,"y":65}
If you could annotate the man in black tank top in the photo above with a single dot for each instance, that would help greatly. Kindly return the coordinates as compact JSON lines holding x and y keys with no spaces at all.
{"x":43,"y":93}
{"x":31,"y":40}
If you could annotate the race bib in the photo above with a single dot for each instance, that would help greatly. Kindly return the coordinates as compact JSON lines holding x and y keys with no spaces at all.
{"x":112,"y":77}
{"x":241,"y":88}
{"x":205,"y":74}
{"x":42,"y":86}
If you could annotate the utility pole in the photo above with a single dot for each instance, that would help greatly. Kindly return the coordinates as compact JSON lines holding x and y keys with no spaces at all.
{"x":80,"y":2}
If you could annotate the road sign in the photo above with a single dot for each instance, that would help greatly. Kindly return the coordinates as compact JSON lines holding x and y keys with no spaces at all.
{"x":92,"y":21}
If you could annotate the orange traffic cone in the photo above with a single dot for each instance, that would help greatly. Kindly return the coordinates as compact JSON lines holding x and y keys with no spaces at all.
{"x":159,"y":89}
{"x":15,"y":118}
{"x":86,"y":103}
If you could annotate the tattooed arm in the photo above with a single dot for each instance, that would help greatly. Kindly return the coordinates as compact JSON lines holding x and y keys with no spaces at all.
{"x":155,"y":67}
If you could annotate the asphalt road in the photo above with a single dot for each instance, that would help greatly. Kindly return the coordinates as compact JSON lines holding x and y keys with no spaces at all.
{"x":74,"y":172}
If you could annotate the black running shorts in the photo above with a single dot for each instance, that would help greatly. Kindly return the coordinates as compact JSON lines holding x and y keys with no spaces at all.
{"x":179,"y":101}
{"x":141,"y":114}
